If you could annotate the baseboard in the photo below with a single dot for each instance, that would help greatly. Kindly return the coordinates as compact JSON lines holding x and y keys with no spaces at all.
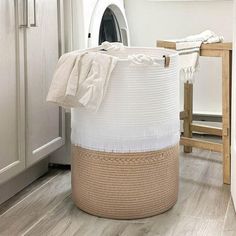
{"x":16,"y":184}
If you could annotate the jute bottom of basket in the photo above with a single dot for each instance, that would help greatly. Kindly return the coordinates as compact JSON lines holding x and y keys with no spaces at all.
{"x":125,"y":185}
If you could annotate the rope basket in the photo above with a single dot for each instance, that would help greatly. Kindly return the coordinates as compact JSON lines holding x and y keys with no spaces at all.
{"x":125,"y":185}
{"x":125,"y":155}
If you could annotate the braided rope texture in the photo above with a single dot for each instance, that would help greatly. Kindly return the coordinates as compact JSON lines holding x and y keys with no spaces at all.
{"x":125,"y":185}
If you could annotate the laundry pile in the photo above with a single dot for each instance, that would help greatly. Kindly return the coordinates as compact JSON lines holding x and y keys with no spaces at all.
{"x":82,"y":77}
{"x":189,"y":49}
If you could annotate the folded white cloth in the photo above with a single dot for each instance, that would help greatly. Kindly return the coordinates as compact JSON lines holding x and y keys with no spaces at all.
{"x":111,"y":46}
{"x":206,"y":36}
{"x":81,"y":79}
{"x":189,"y":49}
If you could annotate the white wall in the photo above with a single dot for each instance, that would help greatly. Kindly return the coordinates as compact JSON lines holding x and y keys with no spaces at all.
{"x":149,"y":21}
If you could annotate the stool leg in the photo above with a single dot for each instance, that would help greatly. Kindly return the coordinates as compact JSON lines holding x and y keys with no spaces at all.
{"x":188,"y":108}
{"x":226,"y":95}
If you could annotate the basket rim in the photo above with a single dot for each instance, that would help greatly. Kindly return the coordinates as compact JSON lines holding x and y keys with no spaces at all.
{"x":167,"y":52}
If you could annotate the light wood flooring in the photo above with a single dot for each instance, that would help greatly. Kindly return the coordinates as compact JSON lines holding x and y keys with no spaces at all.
{"x":204,"y":207}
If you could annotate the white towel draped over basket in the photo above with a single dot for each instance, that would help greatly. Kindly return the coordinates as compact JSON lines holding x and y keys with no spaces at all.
{"x":81,"y":77}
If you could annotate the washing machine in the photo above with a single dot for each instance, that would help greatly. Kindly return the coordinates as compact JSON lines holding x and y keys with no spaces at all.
{"x":88,"y":23}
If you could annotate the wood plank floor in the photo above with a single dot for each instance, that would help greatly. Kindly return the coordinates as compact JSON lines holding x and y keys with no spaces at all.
{"x":203,"y":208}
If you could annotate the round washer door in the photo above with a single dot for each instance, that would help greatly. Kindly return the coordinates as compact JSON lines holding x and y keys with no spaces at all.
{"x":108,"y":23}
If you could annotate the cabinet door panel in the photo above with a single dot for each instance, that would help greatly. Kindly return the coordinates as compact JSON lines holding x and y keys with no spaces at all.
{"x":12,"y":159}
{"x":45,"y":122}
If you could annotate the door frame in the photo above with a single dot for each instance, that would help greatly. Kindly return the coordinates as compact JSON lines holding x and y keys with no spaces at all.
{"x":233,"y":114}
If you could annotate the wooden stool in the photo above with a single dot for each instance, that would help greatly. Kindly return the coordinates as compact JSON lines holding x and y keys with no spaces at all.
{"x":223,"y":50}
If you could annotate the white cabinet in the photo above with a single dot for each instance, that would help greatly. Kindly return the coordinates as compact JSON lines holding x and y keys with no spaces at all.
{"x":30,"y":128}
{"x":12,"y":158}
{"x":44,"y":126}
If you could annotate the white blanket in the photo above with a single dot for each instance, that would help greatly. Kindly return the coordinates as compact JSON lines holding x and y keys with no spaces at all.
{"x":189,"y":49}
{"x":81,"y":78}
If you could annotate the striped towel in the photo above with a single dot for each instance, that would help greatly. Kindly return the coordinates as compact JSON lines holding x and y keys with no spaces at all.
{"x":189,"y":49}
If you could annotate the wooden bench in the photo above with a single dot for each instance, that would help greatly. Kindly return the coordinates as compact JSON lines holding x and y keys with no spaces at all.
{"x":224,"y":51}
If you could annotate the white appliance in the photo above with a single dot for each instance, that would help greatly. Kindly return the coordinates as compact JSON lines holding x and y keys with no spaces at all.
{"x":88,"y":23}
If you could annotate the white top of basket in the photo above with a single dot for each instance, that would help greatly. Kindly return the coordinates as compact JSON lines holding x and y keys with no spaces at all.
{"x":140,"y":111}
{"x":82,"y":77}
{"x":125,"y":53}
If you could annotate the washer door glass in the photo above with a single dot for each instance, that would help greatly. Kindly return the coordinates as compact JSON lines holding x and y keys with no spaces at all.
{"x":109,"y":28}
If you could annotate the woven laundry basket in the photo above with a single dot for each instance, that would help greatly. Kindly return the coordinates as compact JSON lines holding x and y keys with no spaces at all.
{"x":125,"y":155}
